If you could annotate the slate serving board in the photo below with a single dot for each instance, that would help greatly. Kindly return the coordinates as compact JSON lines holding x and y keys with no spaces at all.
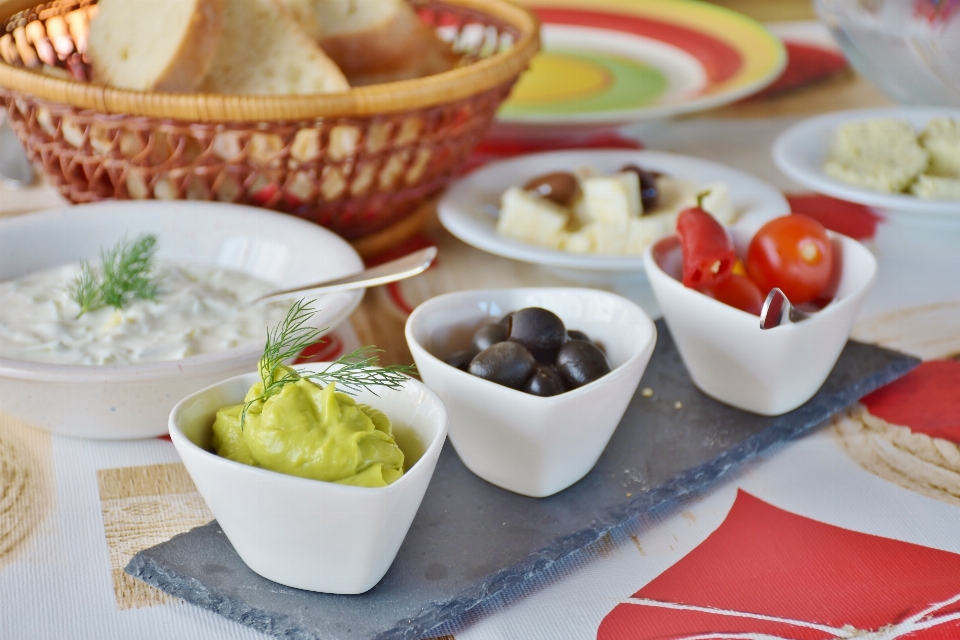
{"x":470,"y":540}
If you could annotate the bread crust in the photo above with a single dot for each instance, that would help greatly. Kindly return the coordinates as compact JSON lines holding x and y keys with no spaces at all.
{"x":187,"y":65}
{"x":400,"y":49}
{"x":224,"y":76}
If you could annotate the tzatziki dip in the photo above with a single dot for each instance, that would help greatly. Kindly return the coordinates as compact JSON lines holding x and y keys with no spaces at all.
{"x":198,"y":309}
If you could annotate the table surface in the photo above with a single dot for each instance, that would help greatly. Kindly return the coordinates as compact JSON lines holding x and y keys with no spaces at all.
{"x":73,"y":512}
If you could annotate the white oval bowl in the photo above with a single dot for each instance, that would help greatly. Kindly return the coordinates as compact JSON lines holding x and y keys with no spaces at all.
{"x":731,"y":359}
{"x":304,"y":533}
{"x":524,"y":443}
{"x":467,"y":209}
{"x":134,"y":400}
{"x":801,"y":150}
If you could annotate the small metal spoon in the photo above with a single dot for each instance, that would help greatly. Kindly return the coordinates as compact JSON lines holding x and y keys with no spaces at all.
{"x":777,"y":310}
{"x":399,"y":269}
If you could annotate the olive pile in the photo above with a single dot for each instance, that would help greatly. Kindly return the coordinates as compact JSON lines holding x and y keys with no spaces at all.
{"x":530,"y":350}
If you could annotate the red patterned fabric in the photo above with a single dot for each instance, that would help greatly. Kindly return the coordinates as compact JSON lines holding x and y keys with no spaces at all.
{"x":768,"y":574}
{"x":854,"y":220}
{"x":805,"y":64}
{"x":927,"y":400}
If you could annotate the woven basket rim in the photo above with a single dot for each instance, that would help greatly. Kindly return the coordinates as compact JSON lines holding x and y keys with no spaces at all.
{"x":391,"y":97}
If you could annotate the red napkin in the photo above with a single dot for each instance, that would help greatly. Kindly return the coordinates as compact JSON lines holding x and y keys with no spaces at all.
{"x":927,"y":400}
{"x":768,"y":571}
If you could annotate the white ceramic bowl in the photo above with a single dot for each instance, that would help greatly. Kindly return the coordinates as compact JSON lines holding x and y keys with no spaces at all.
{"x":801,"y":151}
{"x":468,"y":209}
{"x":531,"y":445}
{"x":134,"y":400}
{"x":733,"y":360}
{"x":304,"y":533}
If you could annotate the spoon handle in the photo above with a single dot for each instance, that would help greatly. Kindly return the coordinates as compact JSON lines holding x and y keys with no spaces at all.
{"x":399,"y":269}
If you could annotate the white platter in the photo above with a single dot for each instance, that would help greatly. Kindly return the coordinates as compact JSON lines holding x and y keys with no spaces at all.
{"x":468,"y":209}
{"x":801,"y":150}
{"x":134,"y":400}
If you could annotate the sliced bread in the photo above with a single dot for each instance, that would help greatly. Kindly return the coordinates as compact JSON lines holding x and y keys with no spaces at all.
{"x":154,"y":45}
{"x":374,"y":41}
{"x":262,"y":50}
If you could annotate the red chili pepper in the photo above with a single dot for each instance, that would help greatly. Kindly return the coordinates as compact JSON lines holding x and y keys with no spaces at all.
{"x":708,"y":254}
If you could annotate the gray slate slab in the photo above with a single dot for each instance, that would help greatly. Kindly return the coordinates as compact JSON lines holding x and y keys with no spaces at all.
{"x":471,"y":540}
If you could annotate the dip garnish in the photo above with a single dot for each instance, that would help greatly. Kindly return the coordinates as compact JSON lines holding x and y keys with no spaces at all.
{"x":352,"y":373}
{"x":126,"y":273}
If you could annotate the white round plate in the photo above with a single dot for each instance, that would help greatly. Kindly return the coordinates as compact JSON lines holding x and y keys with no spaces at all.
{"x":801,"y":151}
{"x":468,"y":209}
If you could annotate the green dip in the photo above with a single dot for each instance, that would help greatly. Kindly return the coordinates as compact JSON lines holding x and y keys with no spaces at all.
{"x":311,"y":432}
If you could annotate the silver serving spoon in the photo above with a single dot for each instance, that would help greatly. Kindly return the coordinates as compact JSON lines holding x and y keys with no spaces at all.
{"x":777,"y":310}
{"x":399,"y":269}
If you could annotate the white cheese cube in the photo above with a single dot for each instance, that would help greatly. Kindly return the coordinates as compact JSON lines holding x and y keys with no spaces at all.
{"x":530,"y":218}
{"x":936,"y":188}
{"x":608,"y":238}
{"x":675,"y":194}
{"x":643,"y":231}
{"x":942,"y":139}
{"x":881,"y":154}
{"x":577,"y":242}
{"x":717,"y":202}
{"x":613,"y":198}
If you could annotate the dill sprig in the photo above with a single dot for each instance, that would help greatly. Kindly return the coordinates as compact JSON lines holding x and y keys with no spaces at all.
{"x":126,"y":273}
{"x":352,"y":373}
{"x":85,"y":289}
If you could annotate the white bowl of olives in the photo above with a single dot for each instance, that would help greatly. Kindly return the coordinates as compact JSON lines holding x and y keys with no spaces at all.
{"x":535,"y":381}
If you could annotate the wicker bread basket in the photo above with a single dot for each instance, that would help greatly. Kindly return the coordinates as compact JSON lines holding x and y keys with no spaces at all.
{"x":355,"y":162}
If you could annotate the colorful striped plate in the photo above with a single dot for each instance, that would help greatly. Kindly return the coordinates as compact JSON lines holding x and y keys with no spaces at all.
{"x":611,"y":62}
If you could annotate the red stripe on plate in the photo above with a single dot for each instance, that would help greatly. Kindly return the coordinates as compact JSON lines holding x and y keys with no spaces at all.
{"x":720,"y":61}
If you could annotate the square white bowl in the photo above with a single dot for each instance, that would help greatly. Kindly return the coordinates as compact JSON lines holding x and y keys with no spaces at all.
{"x":134,"y":400}
{"x":731,"y":359}
{"x":528,"y":444}
{"x":304,"y":533}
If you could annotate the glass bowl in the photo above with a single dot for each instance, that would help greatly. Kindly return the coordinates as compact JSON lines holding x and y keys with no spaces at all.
{"x":909,"y":48}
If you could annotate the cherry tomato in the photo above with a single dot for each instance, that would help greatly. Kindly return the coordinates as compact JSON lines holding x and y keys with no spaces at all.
{"x":708,"y":254}
{"x":794,"y":254}
{"x":737,"y":291}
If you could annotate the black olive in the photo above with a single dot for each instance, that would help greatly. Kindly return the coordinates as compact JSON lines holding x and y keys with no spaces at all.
{"x":581,"y":363}
{"x":506,"y":363}
{"x":461,"y":359}
{"x":648,"y":187}
{"x":505,"y":321}
{"x":578,"y":335}
{"x":540,"y":331}
{"x":559,"y":187}
{"x":545,"y":381}
{"x":488,"y":335}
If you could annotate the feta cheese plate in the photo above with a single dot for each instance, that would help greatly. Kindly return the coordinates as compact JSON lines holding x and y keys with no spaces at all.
{"x":802,"y":151}
{"x":471,"y":207}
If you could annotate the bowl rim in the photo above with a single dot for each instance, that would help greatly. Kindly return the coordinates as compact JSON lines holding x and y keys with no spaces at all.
{"x":404,"y":95}
{"x":424,"y":308}
{"x":136,"y":372}
{"x":786,"y":147}
{"x":715,"y":305}
{"x":180,"y":439}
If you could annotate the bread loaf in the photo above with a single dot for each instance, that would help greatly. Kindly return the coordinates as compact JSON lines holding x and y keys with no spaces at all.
{"x":262,"y":50}
{"x":373,"y":41}
{"x":154,"y":45}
